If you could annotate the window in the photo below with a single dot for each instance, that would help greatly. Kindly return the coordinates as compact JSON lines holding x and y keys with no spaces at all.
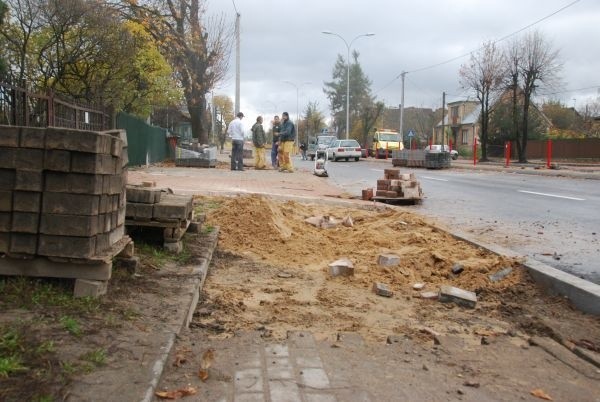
{"x":454,"y":111}
{"x":465,"y":137}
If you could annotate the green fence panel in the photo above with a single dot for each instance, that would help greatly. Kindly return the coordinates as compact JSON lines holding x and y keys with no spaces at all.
{"x":145,"y":143}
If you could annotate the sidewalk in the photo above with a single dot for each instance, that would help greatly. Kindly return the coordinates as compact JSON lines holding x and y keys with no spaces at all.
{"x":590,"y":172}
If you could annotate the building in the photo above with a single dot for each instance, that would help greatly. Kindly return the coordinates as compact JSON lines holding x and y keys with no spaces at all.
{"x":461,"y":124}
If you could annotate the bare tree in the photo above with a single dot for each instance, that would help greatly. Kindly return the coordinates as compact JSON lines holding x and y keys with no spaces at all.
{"x":196,"y":45}
{"x":539,"y":66}
{"x":512,"y":56}
{"x":483,"y":74}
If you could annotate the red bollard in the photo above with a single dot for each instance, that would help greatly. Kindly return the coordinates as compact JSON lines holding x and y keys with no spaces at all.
{"x":430,"y":142}
{"x":549,"y":153}
{"x":450,"y":144}
{"x":475,"y":151}
{"x":507,"y":153}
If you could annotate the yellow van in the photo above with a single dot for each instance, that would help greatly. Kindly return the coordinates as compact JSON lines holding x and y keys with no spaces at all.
{"x":384,"y":142}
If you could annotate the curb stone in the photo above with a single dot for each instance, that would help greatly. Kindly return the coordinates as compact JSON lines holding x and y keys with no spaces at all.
{"x":193,"y":291}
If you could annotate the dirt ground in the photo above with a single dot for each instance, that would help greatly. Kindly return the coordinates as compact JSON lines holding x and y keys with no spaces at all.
{"x":271,"y":273}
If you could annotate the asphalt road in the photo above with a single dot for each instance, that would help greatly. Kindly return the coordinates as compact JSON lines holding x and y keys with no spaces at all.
{"x":555,"y":220}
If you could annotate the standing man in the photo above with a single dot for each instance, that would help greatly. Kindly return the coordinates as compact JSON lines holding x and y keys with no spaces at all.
{"x":275,"y":144}
{"x":259,"y":139}
{"x":236,"y":132}
{"x":287,"y":136}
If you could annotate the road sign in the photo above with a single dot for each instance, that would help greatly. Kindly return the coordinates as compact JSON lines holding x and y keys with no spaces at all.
{"x":411,"y":133}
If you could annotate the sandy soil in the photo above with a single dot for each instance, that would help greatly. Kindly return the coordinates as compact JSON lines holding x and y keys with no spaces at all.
{"x":271,"y":274}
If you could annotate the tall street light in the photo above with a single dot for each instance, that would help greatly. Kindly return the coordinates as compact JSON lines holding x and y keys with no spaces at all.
{"x":297,"y":106}
{"x":348,"y":46}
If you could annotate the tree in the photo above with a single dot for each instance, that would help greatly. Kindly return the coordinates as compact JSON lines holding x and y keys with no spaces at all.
{"x":368,"y":119}
{"x":196,"y":46}
{"x":312,"y":121}
{"x":3,"y":11}
{"x":224,"y":113}
{"x":483,"y":74}
{"x":539,"y":66}
{"x":360,"y":93}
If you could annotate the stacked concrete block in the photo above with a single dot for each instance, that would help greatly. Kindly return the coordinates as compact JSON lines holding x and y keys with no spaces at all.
{"x":153,"y":207}
{"x":62,"y":192}
{"x":398,"y":186}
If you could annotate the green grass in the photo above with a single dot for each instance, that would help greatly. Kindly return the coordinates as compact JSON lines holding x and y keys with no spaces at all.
{"x":10,"y":365}
{"x":71,"y":325}
{"x":206,"y":229}
{"x":11,"y":350}
{"x":96,"y":357}
{"x":206,"y":206}
{"x":33,"y":293}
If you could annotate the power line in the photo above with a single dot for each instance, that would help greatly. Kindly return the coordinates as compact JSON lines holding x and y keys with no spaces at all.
{"x":496,"y":41}
{"x":568,"y":90}
{"x":234,"y":7}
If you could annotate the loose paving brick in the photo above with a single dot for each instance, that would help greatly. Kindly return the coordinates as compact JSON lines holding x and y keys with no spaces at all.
{"x":388,"y":260}
{"x":459,"y":296}
{"x":89,"y":288}
{"x":381,"y":289}
{"x":341,"y":267}
{"x":67,"y":246}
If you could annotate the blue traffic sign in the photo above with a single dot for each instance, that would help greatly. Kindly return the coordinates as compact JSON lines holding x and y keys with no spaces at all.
{"x":411,"y":133}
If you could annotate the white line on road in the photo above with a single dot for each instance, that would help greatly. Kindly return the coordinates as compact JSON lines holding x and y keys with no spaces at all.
{"x":434,"y":178}
{"x":552,"y":195}
{"x":377,"y":170}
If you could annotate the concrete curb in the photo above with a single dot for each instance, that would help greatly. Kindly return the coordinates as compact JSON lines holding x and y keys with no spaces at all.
{"x":199,"y":276}
{"x":529,"y":171}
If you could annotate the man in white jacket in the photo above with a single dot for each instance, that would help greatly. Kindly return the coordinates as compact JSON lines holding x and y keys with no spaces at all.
{"x":236,"y":133}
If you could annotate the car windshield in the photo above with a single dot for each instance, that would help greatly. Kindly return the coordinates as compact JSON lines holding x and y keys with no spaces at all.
{"x":324,"y":140}
{"x":388,"y":137}
{"x":349,"y":144}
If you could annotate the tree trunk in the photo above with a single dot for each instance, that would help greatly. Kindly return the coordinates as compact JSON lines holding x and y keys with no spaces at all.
{"x":484,"y":127}
{"x":515,"y":120}
{"x":196,"y":108}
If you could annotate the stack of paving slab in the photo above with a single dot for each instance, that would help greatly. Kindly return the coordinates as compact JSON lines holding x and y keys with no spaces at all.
{"x":155,"y":207}
{"x":62,"y":200}
{"x":396,"y":186}
{"x":408,"y":157}
{"x":202,"y":157}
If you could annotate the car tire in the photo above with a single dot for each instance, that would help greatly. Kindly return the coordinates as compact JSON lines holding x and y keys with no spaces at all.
{"x":312,"y":158}
{"x":356,"y":159}
{"x":347,"y":159}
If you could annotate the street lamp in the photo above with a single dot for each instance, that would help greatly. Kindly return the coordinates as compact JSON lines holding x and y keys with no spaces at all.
{"x":297,"y":106}
{"x":347,"y":74}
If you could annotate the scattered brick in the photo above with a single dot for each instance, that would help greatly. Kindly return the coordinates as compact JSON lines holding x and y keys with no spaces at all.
{"x":459,"y":296}
{"x":382,"y":289}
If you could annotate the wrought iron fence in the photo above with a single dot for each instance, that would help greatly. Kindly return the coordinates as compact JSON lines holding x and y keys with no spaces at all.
{"x":20,"y":107}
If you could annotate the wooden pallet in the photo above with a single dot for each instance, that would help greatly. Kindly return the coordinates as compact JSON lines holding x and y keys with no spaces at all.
{"x":398,"y":200}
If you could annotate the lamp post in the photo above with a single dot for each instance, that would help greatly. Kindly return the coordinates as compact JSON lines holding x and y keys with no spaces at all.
{"x":297,"y":105}
{"x":348,"y":46}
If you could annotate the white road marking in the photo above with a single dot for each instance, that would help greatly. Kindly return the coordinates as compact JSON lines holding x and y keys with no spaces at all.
{"x":377,"y":170}
{"x":552,"y":195}
{"x":434,"y":178}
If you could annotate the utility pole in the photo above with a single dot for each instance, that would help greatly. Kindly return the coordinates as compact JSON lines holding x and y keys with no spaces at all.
{"x":237,"y":62}
{"x":402,"y":109}
{"x":443,"y":113}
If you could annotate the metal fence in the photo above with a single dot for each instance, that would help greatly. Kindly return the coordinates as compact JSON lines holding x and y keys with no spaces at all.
{"x":20,"y":107}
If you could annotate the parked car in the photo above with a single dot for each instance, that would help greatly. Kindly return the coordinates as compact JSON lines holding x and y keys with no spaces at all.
{"x":438,"y":148}
{"x":319,"y":145}
{"x":344,"y":149}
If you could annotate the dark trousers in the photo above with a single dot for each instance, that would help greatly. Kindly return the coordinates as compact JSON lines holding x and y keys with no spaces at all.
{"x":274,"y":161}
{"x":237,"y":155}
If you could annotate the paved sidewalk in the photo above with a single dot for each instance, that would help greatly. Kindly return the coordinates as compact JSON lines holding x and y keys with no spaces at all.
{"x":590,"y":172}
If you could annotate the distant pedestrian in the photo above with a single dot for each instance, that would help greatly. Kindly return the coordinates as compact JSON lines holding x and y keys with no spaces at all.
{"x":287,"y":137}
{"x":303,"y":151}
{"x":275,"y":145}
{"x":236,"y":132}
{"x":259,"y":140}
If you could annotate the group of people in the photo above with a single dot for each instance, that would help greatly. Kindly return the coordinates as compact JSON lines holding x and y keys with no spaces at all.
{"x":284,"y":134}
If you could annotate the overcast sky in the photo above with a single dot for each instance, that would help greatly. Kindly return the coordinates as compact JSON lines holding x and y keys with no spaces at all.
{"x":282,"y":40}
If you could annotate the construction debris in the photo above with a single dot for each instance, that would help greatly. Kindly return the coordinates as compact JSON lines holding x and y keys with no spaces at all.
{"x":498,"y":276}
{"x":396,"y":187}
{"x":459,"y":296}
{"x":341,"y":267}
{"x":381,"y":289}
{"x":388,"y":260}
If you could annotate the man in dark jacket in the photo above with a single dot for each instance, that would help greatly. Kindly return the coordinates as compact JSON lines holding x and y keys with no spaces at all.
{"x":275,"y":144}
{"x":287,"y":136}
{"x":259,"y":139}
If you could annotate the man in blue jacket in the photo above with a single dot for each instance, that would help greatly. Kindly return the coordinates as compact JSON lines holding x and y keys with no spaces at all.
{"x":287,"y":135}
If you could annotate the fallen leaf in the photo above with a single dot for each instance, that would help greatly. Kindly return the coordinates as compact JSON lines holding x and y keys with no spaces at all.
{"x":177,"y":394}
{"x":208,"y":357}
{"x":203,"y":374}
{"x":180,"y":359}
{"x":539,"y":393}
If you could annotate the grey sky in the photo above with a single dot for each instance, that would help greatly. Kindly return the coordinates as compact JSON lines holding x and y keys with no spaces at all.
{"x":282,"y":40}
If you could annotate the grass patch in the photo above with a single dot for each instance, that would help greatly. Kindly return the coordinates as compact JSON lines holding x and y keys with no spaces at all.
{"x":33,"y":293}
{"x":71,"y":325}
{"x":96,"y":357}
{"x":156,"y":256}
{"x":204,"y":206}
{"x":206,"y":229}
